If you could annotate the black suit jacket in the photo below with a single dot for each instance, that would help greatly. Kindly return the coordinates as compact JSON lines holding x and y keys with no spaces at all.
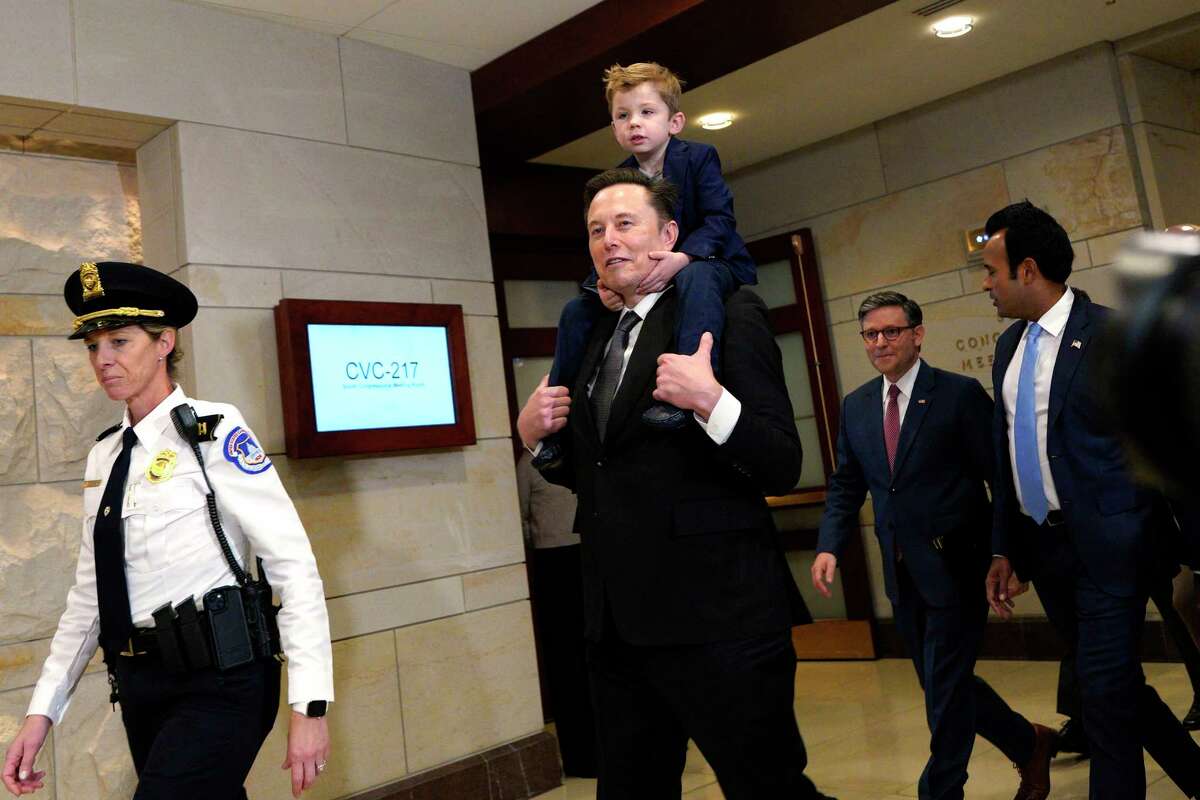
{"x":677,"y":541}
{"x":1110,"y":520}
{"x":934,"y":506}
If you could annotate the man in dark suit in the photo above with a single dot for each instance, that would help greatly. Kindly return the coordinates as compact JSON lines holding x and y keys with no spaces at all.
{"x":688,"y":599}
{"x":1067,"y":512}
{"x":918,"y":440}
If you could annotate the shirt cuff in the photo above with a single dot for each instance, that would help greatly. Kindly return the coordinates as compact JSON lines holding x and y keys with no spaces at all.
{"x":533,"y":451}
{"x":723,"y":419}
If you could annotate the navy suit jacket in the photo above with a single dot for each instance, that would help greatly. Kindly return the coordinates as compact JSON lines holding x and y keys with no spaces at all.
{"x":933,"y":506}
{"x":707,"y":228}
{"x":1110,"y":520}
{"x":678,"y":543}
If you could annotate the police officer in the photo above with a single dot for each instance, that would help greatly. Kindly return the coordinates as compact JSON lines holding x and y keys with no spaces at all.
{"x":150,"y":554}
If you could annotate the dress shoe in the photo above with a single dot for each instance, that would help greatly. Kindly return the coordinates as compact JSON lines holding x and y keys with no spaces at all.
{"x":1071,"y":739}
{"x":664,"y":417}
{"x":1191,"y":720}
{"x":549,"y":457}
{"x":1035,"y":773}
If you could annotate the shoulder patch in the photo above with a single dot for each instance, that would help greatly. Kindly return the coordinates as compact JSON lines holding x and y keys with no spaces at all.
{"x":243,"y":452}
{"x":108,"y":431}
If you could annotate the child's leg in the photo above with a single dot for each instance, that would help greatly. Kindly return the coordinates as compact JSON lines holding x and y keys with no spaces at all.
{"x":703,"y":287}
{"x":575,"y":324}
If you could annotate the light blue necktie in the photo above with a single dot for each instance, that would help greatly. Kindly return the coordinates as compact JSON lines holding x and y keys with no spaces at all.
{"x":1029,"y":465}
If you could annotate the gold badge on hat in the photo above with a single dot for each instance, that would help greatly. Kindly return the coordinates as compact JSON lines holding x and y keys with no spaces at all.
{"x":162,"y":466}
{"x":89,"y":277}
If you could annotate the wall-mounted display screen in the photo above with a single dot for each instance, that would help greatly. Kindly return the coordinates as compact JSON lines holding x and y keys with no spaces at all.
{"x":371,"y":377}
{"x":380,"y":376}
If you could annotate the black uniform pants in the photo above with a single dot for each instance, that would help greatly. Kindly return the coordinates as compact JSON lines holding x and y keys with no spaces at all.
{"x":195,"y":735}
{"x":734,"y":699}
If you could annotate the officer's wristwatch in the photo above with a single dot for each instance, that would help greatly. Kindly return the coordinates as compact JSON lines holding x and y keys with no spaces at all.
{"x":313,"y":708}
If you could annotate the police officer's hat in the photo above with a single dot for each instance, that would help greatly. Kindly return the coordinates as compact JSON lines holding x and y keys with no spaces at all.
{"x":112,"y":294}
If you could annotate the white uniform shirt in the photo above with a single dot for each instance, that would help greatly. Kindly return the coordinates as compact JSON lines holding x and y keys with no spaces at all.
{"x":171,"y":550}
{"x":1052,"y":323}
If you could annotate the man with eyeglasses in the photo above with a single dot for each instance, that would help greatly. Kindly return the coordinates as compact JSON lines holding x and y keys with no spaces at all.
{"x":917,"y":438}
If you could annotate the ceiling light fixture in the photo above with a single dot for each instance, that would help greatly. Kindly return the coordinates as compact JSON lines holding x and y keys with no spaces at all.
{"x":952,"y":27}
{"x":716,"y":120}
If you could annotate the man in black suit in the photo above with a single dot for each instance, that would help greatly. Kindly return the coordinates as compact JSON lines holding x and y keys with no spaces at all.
{"x":1068,"y":514}
{"x":688,"y":599}
{"x":918,"y":440}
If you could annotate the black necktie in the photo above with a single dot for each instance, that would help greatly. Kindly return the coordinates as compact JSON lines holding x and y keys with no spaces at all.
{"x":108,"y":539}
{"x":609,"y":375}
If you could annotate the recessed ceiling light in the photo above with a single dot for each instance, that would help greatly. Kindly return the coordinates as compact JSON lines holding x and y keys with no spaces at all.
{"x":716,"y":120}
{"x":951,"y":27}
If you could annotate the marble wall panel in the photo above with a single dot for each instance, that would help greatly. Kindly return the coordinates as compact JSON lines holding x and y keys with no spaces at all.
{"x":90,"y":749}
{"x":237,"y":287}
{"x":18,"y":453}
{"x":1086,"y":183}
{"x":184,"y":61}
{"x":476,"y":297}
{"x":905,"y":235}
{"x":39,"y":546}
{"x":1101,"y":285}
{"x":56,"y":213}
{"x":12,"y":716}
{"x":71,"y":409}
{"x":1175,"y":163}
{"x":467,"y":683}
{"x":343,"y":286}
{"x":388,"y":520}
{"x":158,"y":189}
{"x":20,"y":665}
{"x":364,"y":726}
{"x":405,"y":104}
{"x":961,"y":334}
{"x":1160,"y":93}
{"x":233,"y":354}
{"x":925,"y":290}
{"x":494,"y":587}
{"x":840,"y":309}
{"x":369,"y":612}
{"x":804,"y":183}
{"x":1074,"y":94}
{"x":488,"y":398}
{"x":1104,"y":249}
{"x":34,"y":315}
{"x":308,"y":205}
{"x":36,"y":61}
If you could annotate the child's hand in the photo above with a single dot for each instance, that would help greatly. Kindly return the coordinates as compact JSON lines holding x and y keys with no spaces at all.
{"x":668,"y":263}
{"x":612,"y":301}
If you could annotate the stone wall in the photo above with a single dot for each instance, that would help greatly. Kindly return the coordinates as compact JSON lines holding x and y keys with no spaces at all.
{"x":300,"y":166}
{"x":889,"y":203}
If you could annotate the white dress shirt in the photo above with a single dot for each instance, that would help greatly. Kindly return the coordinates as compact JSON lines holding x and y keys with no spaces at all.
{"x":725,"y":413}
{"x":1052,"y":323}
{"x":906,"y":383}
{"x":172,"y":553}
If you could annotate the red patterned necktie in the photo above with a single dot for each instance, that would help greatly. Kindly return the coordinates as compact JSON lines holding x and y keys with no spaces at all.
{"x":891,"y":424}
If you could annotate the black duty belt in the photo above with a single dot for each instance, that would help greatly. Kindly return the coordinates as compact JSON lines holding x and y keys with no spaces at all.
{"x":180,"y":639}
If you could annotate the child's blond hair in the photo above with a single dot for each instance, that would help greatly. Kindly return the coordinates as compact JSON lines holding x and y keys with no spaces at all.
{"x":621,"y":79}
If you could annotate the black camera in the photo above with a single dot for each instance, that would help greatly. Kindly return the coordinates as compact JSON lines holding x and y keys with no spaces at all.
{"x":1152,"y":377}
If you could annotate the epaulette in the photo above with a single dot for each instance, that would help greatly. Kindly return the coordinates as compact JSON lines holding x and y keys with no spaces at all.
{"x":107,"y":431}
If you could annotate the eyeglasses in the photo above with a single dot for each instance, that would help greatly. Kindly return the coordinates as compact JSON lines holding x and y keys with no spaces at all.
{"x":891,"y":334}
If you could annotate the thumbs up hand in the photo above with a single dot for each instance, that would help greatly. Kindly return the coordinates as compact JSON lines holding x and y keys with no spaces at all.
{"x":688,"y":382}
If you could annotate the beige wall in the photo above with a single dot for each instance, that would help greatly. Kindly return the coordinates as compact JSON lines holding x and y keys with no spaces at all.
{"x":888,"y":205}
{"x":301,"y":166}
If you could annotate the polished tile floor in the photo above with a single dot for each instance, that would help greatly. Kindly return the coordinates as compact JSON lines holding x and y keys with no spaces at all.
{"x":864,"y":725}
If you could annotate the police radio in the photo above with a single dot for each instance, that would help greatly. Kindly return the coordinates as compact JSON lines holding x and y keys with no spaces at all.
{"x":242,"y":616}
